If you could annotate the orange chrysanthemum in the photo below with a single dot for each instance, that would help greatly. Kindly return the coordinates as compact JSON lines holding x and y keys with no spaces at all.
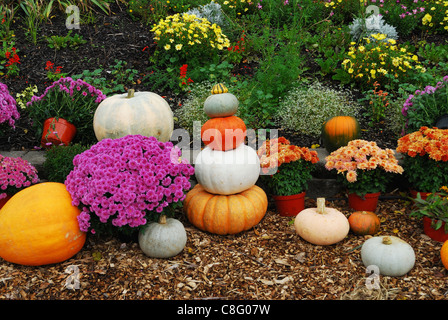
{"x":427,"y":141}
{"x":361,"y":155}
{"x":274,"y":152}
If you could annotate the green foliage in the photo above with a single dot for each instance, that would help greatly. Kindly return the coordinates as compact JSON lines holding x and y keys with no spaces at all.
{"x":291,"y":178}
{"x":425,"y":174}
{"x":435,"y":207}
{"x":59,"y":161}
{"x":305,"y":108}
{"x":192,"y":108}
{"x":61,"y":42}
{"x":368,"y":181}
{"x":116,"y":79}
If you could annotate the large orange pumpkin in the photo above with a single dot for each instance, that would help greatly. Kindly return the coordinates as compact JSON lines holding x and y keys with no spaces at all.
{"x":364,"y":222}
{"x":39,"y":226}
{"x":444,"y":254}
{"x":338,"y":131}
{"x":225,"y":214}
{"x":223,"y":133}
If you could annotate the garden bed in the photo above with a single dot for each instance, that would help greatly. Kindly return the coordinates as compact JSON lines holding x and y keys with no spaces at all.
{"x":268,"y":262}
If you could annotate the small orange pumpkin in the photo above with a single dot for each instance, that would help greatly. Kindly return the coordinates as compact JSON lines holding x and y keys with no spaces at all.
{"x":223,"y":133}
{"x":364,"y":222}
{"x":338,"y":131}
{"x":225,"y":214}
{"x":39,"y":226}
{"x":444,"y":254}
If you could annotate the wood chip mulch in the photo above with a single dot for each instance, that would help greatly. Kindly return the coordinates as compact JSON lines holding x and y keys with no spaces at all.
{"x":268,"y":262}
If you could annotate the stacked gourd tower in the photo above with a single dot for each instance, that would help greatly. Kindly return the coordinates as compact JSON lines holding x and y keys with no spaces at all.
{"x":226,"y":199}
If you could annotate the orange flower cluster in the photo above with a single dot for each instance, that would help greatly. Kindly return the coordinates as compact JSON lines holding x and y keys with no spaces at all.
{"x":274,"y":152}
{"x":362,"y":155}
{"x":430,"y":141}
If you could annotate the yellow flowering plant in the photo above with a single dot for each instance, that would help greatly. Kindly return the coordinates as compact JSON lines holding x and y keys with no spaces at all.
{"x":363,"y":167}
{"x":379,"y":59}
{"x":425,"y":158}
{"x":185,"y":38}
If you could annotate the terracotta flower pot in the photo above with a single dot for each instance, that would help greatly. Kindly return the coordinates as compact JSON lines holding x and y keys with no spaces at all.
{"x":437,"y":235}
{"x":290,"y":206}
{"x":423,"y":195}
{"x":369,"y":203}
{"x":56,"y":132}
{"x":4,"y":200}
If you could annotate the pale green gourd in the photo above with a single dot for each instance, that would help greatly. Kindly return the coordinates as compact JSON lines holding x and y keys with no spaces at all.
{"x":163,"y":239}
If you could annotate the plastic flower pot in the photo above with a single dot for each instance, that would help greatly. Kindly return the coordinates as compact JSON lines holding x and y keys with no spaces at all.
{"x":56,"y":132}
{"x":290,"y":206}
{"x":368,"y":203}
{"x":437,"y":235}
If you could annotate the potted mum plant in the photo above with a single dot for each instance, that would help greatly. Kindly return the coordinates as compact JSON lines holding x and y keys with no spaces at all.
{"x":365,"y":170}
{"x":433,"y":210}
{"x":122,"y":184}
{"x":286,"y":170}
{"x":65,"y":108}
{"x":15,"y":175}
{"x":8,"y":108}
{"x":425,"y":159}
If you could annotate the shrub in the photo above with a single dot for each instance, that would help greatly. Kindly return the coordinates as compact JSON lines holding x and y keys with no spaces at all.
{"x":305,"y":109}
{"x":59,"y":161}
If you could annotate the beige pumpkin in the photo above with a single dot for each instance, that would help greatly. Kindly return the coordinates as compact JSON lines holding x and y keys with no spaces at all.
{"x":321,"y":225}
{"x":144,"y":113}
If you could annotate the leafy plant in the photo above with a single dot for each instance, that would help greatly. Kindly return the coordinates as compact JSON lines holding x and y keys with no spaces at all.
{"x":286,"y":168}
{"x":424,"y":107}
{"x":363,"y":28}
{"x":425,"y":158}
{"x":435,"y":207}
{"x":60,"y":42}
{"x":59,"y":161}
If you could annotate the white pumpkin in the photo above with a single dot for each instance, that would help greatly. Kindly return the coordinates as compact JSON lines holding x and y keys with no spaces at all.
{"x":144,"y":113}
{"x":163,"y":239}
{"x":392,"y":255}
{"x":227,"y":172}
{"x":321,"y":225}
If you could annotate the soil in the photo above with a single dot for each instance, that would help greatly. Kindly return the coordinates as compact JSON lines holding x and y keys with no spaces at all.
{"x":267,"y":263}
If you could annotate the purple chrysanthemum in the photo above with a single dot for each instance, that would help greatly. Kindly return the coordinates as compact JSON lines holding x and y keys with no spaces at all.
{"x":8,"y":107}
{"x":15,"y":175}
{"x":122,"y":181}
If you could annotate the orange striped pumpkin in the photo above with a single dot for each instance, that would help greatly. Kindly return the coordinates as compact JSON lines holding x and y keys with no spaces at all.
{"x":223,"y":133}
{"x":225,"y":214}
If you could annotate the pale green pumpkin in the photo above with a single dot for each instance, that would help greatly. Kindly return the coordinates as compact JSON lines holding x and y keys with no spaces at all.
{"x":144,"y":113}
{"x":221,"y":105}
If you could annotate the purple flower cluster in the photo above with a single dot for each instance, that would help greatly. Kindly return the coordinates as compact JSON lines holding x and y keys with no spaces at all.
{"x":70,"y":87}
{"x":428,"y":90}
{"x":8,"y":107}
{"x":123,"y":180}
{"x":15,"y":175}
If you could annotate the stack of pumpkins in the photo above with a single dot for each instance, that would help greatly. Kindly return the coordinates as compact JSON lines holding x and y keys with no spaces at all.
{"x":226,"y":199}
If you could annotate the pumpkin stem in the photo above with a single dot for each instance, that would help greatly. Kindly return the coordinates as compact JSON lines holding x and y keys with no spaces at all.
{"x":162,"y":219}
{"x":387,"y":240}
{"x":321,"y":205}
{"x":130,"y":93}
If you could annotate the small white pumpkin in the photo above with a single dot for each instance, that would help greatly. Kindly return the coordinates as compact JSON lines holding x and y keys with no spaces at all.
{"x":392,"y":255}
{"x":145,"y":113}
{"x":163,"y":239}
{"x":227,"y":172}
{"x":321,"y":225}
